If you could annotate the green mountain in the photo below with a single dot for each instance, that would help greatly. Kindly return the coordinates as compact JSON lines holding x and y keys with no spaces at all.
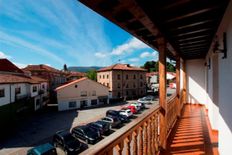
{"x":83,"y":68}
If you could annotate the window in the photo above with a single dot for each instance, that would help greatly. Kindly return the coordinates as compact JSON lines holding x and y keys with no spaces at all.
{"x":2,"y":92}
{"x":134,"y":85}
{"x":72,"y":104}
{"x":34,"y":88}
{"x":83,"y":93}
{"x":127,"y":76}
{"x":119,"y":77}
{"x":43,"y":86}
{"x":17,"y":90}
{"x":94,"y":93}
{"x":141,"y":84}
{"x":134,"y":76}
{"x":83,"y":103}
{"x":99,"y":76}
{"x":103,"y":76}
{"x":119,"y":85}
{"x":107,"y":76}
{"x":104,"y":83}
{"x":93,"y":102}
{"x":107,"y":84}
{"x":127,"y":93}
{"x":119,"y":94}
{"x":141,"y":76}
{"x":127,"y":86}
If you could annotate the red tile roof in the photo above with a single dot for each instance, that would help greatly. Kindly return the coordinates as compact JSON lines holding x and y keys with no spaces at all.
{"x":13,"y":78}
{"x":80,"y":74}
{"x":70,"y":83}
{"x":7,"y":66}
{"x":41,"y":68}
{"x":121,"y":67}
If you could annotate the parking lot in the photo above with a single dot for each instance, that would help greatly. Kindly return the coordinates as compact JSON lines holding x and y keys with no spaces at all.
{"x":40,"y":128}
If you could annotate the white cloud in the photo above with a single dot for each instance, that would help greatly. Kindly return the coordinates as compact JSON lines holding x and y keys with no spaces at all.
{"x":4,"y":56}
{"x":133,"y":44}
{"x":101,"y":55}
{"x":133,"y":59}
{"x":24,"y":43}
{"x":148,"y":54}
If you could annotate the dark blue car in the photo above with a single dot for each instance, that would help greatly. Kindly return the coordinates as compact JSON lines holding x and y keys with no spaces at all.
{"x":44,"y":149}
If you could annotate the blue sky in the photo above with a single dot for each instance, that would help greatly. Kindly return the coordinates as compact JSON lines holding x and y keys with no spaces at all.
{"x":58,"y":32}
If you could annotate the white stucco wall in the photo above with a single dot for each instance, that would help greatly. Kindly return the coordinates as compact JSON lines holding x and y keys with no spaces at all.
{"x":10,"y":92}
{"x":73,"y":91}
{"x":5,"y":100}
{"x":196,"y":81}
{"x":33,"y":94}
{"x":225,"y":86}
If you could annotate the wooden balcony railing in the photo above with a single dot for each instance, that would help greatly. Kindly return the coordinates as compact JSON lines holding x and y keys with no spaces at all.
{"x":172,"y":112}
{"x":140,"y":136}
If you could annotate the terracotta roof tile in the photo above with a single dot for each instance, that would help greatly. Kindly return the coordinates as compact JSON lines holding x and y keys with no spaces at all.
{"x":121,"y":67}
{"x":11,"y":78}
{"x":41,"y":68}
{"x":7,"y":66}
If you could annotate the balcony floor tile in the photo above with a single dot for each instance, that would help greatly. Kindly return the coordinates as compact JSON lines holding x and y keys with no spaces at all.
{"x":192,"y":133}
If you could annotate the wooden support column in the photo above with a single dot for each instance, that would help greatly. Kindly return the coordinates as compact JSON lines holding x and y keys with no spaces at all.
{"x":184,"y":82}
{"x":162,"y":91}
{"x":178,"y":85}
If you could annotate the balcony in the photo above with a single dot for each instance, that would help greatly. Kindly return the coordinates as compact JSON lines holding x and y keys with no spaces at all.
{"x":188,"y":134}
{"x":190,"y":34}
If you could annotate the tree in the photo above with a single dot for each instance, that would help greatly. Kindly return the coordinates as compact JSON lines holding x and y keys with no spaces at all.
{"x":153,"y":66}
{"x":92,"y":74}
{"x":65,"y":67}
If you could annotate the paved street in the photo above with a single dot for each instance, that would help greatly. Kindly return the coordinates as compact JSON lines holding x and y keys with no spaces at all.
{"x":40,"y":128}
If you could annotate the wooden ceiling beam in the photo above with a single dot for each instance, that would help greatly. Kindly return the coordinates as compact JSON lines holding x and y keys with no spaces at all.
{"x":192,"y":14}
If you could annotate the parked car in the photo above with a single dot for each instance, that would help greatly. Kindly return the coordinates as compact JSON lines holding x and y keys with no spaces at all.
{"x":137,"y":107}
{"x":146,"y":99}
{"x":66,"y":142}
{"x":114,"y":121}
{"x":89,"y":135}
{"x":132,"y":109}
{"x":142,"y":105}
{"x":101,"y":126}
{"x":115,"y":113}
{"x":126,"y":112}
{"x":44,"y":149}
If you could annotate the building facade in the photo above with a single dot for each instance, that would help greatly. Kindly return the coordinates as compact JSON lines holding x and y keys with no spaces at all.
{"x":123,"y":80}
{"x":20,"y":94}
{"x":81,"y":93}
{"x":55,"y":77}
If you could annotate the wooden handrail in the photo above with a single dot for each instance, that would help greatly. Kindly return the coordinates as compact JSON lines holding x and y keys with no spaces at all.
{"x":145,"y":127}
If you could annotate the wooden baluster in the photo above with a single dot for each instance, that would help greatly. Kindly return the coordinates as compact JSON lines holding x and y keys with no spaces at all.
{"x":119,"y":148}
{"x":127,"y":141}
{"x":140,"y":140}
{"x":145,"y":139}
{"x":110,"y":152}
{"x":153,"y":135}
{"x":135,"y":145}
{"x":149,"y":134}
{"x":157,"y":140}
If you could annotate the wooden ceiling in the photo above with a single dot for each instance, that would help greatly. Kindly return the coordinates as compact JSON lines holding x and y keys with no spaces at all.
{"x":188,"y":26}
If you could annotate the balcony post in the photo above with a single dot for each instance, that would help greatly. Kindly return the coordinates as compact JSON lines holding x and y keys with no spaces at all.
{"x":178,"y":85}
{"x":162,"y":91}
{"x":184,"y":82}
